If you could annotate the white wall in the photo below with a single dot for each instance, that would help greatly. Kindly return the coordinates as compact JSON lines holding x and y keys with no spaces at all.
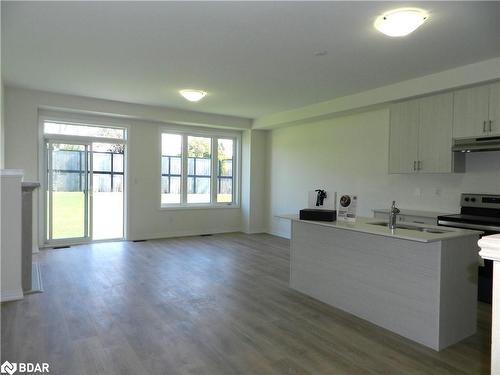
{"x":2,"y":111}
{"x":483,"y":71}
{"x":2,"y":131}
{"x":146,"y":219}
{"x":350,"y":154}
{"x":10,"y":235}
{"x":254,"y":198}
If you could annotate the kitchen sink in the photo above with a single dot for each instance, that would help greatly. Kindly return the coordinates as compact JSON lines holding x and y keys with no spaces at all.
{"x":411,"y":227}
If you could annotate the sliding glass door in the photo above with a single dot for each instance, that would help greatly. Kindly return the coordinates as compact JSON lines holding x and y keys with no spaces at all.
{"x":68,"y":171}
{"x":107,"y":179}
{"x":85,"y":191}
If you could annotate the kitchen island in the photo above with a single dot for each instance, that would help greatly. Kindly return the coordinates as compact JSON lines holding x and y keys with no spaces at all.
{"x":418,"y":284}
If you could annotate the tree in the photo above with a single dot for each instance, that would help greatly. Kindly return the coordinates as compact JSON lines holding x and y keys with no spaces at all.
{"x":117,"y":148}
{"x":198,"y":148}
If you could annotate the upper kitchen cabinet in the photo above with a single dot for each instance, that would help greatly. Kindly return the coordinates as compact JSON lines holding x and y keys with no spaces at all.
{"x":435,"y":134}
{"x":421,"y":136}
{"x":476,"y":111}
{"x":403,"y":139}
{"x":494,"y":110}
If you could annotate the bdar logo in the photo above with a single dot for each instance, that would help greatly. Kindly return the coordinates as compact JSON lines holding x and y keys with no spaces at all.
{"x":8,"y":368}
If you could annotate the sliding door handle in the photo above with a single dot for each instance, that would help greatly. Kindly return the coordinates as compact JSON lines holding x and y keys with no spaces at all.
{"x":414,"y":165}
{"x":490,"y":125}
{"x":419,"y":165}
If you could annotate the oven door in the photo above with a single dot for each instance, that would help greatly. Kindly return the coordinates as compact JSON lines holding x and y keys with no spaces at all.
{"x":485,"y":272}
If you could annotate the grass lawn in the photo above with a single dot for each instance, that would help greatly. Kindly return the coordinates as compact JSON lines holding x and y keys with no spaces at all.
{"x":68,"y":214}
{"x":69,"y":220}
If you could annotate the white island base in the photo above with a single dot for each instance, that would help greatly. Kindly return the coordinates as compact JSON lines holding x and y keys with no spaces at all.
{"x":425,"y":291}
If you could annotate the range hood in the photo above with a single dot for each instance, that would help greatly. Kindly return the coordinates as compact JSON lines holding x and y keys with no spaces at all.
{"x":476,"y":144}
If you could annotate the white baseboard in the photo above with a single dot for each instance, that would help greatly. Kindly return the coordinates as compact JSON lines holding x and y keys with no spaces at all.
{"x":255,"y":231}
{"x":280,"y":234}
{"x":186,"y":233}
{"x":11,"y":295}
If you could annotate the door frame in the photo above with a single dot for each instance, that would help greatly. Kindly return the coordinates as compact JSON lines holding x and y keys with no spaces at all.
{"x":76,"y":119}
{"x":47,"y":188}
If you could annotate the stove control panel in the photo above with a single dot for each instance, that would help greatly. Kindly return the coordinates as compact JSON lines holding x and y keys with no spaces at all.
{"x":480,"y":200}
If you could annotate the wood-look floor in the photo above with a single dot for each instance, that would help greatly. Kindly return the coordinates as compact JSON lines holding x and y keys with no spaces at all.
{"x":205,"y":305}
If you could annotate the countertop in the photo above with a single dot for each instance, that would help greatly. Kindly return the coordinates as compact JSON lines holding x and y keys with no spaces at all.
{"x":420,"y":213}
{"x":363,"y":225}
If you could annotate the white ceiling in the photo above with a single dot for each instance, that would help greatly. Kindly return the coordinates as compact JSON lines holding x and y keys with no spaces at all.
{"x":253,"y":58}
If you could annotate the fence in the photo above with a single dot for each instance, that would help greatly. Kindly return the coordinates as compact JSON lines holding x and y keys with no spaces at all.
{"x":198,"y":177}
{"x":68,"y":168}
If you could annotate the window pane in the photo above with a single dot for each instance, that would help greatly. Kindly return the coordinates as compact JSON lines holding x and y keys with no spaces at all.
{"x":190,"y":185}
{"x":171,"y":144}
{"x":175,"y":185}
{"x":102,"y":162}
{"x":83,"y":130}
{"x":202,"y":185}
{"x":165,"y":165}
{"x":203,"y":167}
{"x":102,"y":183}
{"x":191,"y":166}
{"x":107,"y":199}
{"x":67,"y":159}
{"x":118,"y":183}
{"x":175,"y":165}
{"x":225,"y":170}
{"x":72,"y":181}
{"x":165,"y":185}
{"x":118,"y":162}
{"x":199,"y":169}
{"x":171,"y":151}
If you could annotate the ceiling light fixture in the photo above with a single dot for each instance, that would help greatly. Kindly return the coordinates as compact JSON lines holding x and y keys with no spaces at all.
{"x":193,"y":95}
{"x":400,"y":22}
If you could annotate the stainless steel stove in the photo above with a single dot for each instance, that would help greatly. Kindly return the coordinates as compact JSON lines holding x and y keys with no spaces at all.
{"x":478,"y":212}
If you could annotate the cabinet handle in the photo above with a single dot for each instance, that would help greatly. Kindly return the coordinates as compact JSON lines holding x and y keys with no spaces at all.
{"x":484,"y":126}
{"x":414,"y":165}
{"x":419,"y":165}
{"x":490,"y":125}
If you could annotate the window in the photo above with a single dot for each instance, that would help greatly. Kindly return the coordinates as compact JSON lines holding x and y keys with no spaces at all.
{"x":225,"y":149}
{"x":50,"y":127}
{"x":171,"y":154}
{"x":198,"y":169}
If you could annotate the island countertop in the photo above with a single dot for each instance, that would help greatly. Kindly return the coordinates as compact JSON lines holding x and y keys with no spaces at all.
{"x":365,"y":225}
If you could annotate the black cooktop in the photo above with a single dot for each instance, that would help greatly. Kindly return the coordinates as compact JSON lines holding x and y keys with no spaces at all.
{"x":471,"y":219}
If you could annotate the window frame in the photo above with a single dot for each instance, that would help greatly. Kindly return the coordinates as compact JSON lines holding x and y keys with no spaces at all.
{"x":214,"y":135}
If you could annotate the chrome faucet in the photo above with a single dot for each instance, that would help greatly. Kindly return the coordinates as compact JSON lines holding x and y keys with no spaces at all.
{"x":393,"y":212}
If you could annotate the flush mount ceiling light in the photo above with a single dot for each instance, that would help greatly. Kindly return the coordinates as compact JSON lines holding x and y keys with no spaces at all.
{"x":193,"y":95}
{"x":400,"y":22}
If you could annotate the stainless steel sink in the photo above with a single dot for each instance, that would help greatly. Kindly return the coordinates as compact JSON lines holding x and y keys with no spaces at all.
{"x":411,"y":227}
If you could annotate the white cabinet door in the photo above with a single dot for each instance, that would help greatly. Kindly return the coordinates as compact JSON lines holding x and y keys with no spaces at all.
{"x":494,"y":125}
{"x":403,"y":138}
{"x":435,"y":134}
{"x":470,"y":112}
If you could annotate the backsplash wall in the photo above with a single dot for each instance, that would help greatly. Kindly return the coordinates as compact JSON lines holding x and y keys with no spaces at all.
{"x":350,"y":154}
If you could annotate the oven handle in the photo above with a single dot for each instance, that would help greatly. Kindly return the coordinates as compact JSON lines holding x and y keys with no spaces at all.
{"x":468,"y":226}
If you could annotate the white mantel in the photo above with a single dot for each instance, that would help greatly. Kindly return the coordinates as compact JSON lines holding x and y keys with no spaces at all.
{"x":10,"y":243}
{"x":490,"y":249}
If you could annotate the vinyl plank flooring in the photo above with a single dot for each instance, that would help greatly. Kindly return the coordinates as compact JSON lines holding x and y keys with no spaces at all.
{"x":205,"y":305}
